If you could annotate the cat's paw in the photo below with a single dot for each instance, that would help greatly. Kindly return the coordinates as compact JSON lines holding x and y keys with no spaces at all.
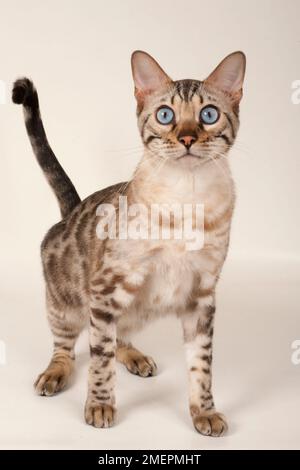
{"x":50,"y":382}
{"x":100,"y":415}
{"x":144,"y":366}
{"x":135,"y":361}
{"x":214,"y":425}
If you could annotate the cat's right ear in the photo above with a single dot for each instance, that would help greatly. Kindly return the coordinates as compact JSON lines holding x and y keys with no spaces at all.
{"x":148,"y":76}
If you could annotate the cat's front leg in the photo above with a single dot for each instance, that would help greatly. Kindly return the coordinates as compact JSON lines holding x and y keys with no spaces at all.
{"x":111,"y":293}
{"x":100,"y":403}
{"x":198,"y":333}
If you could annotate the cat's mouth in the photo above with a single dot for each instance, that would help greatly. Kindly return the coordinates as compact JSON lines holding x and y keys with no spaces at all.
{"x":188,"y":155}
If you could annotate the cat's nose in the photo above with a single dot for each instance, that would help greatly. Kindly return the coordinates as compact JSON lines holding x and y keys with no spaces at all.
{"x":187,"y":140}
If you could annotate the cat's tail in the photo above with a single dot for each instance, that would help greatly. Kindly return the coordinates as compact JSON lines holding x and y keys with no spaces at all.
{"x":25,"y":93}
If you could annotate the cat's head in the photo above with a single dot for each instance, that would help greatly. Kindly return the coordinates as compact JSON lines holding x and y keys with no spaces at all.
{"x":188,"y":121}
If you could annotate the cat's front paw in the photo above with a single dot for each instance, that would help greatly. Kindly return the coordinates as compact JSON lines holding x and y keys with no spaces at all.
{"x":53,"y":380}
{"x":100,"y":415}
{"x":213,"y":424}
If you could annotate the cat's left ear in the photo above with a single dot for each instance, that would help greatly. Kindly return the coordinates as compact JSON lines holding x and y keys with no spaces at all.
{"x":229,"y":75}
{"x":147,"y":74}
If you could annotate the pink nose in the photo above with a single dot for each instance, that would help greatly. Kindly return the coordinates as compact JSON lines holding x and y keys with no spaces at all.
{"x":187,"y":140}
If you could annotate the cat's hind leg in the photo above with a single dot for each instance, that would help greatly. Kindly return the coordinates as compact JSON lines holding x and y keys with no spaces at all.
{"x":65,"y":326}
{"x":136,"y":362}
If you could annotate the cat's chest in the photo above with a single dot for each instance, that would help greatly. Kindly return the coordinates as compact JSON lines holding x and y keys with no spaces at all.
{"x":171,"y":279}
{"x":176,"y":264}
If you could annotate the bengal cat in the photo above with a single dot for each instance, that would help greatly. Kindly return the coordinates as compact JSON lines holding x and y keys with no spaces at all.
{"x":187,"y":129}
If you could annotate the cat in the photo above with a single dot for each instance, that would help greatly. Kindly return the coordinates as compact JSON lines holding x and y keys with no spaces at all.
{"x":187,"y":128}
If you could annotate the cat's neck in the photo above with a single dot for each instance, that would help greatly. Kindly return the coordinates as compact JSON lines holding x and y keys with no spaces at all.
{"x":160,"y":181}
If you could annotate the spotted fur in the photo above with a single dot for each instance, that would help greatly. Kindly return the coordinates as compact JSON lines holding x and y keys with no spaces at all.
{"x":116,"y":286}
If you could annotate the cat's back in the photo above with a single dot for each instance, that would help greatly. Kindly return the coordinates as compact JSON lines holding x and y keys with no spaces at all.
{"x":69,"y":247}
{"x":78,"y":226}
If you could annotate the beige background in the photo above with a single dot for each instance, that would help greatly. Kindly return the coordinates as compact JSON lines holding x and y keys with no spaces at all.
{"x":78,"y":54}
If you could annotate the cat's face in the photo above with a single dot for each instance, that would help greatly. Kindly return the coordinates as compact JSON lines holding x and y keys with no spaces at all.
{"x":188,"y":121}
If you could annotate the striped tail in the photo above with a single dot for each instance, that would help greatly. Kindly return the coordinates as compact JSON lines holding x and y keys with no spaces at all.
{"x":25,"y":93}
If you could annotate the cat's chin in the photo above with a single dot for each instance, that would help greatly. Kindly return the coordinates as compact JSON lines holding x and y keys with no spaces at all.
{"x":189,"y":160}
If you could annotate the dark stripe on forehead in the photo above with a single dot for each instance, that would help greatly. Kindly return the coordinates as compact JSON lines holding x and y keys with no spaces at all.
{"x":186,"y":89}
{"x":178,"y":86}
{"x":195,"y":88}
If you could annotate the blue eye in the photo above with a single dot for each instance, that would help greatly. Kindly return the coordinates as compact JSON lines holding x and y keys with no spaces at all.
{"x":209,"y":115}
{"x":165,"y":115}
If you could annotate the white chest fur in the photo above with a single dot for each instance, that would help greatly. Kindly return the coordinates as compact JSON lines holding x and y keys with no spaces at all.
{"x":173,"y":268}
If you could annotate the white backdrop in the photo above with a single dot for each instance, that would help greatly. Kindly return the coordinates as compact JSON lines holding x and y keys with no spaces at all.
{"x":78,"y":54}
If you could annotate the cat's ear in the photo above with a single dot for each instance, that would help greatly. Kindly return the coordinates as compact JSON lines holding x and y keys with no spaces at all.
{"x":229,"y":75}
{"x":148,"y":76}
